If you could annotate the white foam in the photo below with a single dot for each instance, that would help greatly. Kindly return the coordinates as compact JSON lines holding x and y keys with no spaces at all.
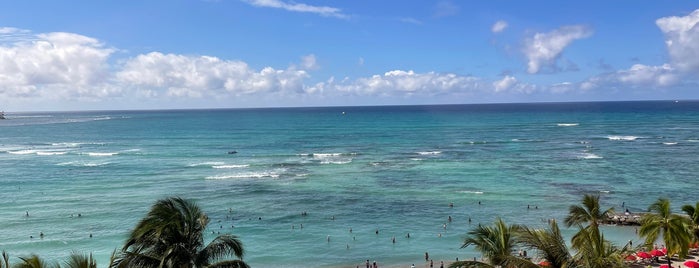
{"x":83,"y":164}
{"x":51,"y":153}
{"x":589,"y":156}
{"x":567,"y":124}
{"x":470,"y":192}
{"x":102,"y":154}
{"x":622,"y":138}
{"x":429,"y":153}
{"x":22,"y":152}
{"x":416,"y":159}
{"x":670,"y":143}
{"x":333,"y":158}
{"x":229,"y":166}
{"x":205,"y":164}
{"x":252,"y":175}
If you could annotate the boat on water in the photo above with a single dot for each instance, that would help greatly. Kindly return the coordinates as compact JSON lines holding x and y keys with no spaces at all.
{"x":2,"y":115}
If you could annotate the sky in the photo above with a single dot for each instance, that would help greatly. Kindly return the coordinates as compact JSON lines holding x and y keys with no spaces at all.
{"x":187,"y":54}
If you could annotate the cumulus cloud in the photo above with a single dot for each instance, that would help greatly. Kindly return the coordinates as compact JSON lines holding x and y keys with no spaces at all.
{"x":505,"y":83}
{"x":52,"y":64}
{"x":324,"y":11}
{"x":499,"y":26}
{"x":682,"y":40}
{"x":543,"y":49}
{"x":638,"y":75}
{"x":197,"y":76}
{"x":403,"y":83}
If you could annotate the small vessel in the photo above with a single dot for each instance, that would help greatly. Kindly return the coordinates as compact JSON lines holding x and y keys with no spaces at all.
{"x":2,"y":115}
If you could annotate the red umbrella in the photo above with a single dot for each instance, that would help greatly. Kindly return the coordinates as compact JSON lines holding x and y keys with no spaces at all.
{"x":664,"y":250}
{"x":630,"y":258}
{"x":695,"y":245}
{"x":643,"y":255}
{"x":664,"y":266}
{"x":544,"y":264}
{"x":691,"y":264}
{"x":657,"y":253}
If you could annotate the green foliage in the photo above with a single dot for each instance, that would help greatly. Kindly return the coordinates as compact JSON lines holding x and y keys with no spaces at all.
{"x":34,"y":261}
{"x":172,"y":236}
{"x":550,"y":244}
{"x":693,"y":213}
{"x":673,"y":228}
{"x":496,"y":243}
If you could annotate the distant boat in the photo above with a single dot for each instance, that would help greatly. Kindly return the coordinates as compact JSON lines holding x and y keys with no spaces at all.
{"x":2,"y":115}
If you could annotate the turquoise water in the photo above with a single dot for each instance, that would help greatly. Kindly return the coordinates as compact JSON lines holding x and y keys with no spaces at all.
{"x":395,"y":169}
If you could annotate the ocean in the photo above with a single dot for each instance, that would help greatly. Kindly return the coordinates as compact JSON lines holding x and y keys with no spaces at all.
{"x":86,"y":178}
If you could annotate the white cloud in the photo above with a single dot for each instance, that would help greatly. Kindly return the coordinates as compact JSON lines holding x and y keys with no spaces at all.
{"x":499,"y":26}
{"x":543,"y":49}
{"x":53,"y":64}
{"x":682,"y":40}
{"x":309,"y":62}
{"x":638,"y":76}
{"x":324,"y":11}
{"x":399,"y":83}
{"x":360,"y":61}
{"x":505,"y":83}
{"x":410,"y":20}
{"x":197,"y":76}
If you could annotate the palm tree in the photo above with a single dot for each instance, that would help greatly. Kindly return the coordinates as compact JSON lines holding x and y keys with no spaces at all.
{"x":34,"y":261}
{"x":672,"y":227}
{"x":597,"y":252}
{"x":693,"y":212}
{"x":590,"y":213}
{"x":5,"y":260}
{"x":172,"y":236}
{"x":77,"y":260}
{"x":550,"y":244}
{"x":496,"y":243}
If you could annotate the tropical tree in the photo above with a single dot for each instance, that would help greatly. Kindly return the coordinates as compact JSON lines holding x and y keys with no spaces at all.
{"x":549,"y":243}
{"x":77,"y":260}
{"x":496,"y":243}
{"x":597,"y":252}
{"x":5,"y":260}
{"x":34,"y":261}
{"x":172,"y":236}
{"x":672,"y":227}
{"x":693,"y":212}
{"x":588,"y":213}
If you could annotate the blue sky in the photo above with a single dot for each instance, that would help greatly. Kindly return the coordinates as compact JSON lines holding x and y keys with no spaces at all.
{"x":86,"y":55}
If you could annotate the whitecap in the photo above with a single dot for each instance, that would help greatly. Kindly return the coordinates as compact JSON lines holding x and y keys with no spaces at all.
{"x":229,"y":166}
{"x":205,"y":164}
{"x":622,"y":138}
{"x":416,"y":159}
{"x":51,"y":153}
{"x":337,"y":161}
{"x":470,"y":192}
{"x":429,"y":153}
{"x":102,"y":154}
{"x":22,"y":152}
{"x":567,"y":124}
{"x":83,"y":164}
{"x":251,"y":175}
{"x":670,"y":143}
{"x":589,"y":156}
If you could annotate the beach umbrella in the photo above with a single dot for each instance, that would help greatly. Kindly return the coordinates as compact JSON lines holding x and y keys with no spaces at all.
{"x":643,"y":255}
{"x":657,"y":253}
{"x":691,"y":264}
{"x":544,"y":264}
{"x":664,"y":266}
{"x":630,"y":258}
{"x":664,"y":250}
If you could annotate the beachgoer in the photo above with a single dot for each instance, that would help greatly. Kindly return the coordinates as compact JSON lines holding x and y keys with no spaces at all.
{"x":377,"y":231}
{"x":375,"y":265}
{"x":427,"y":256}
{"x":431,"y":264}
{"x":407,"y":235}
{"x":350,"y":229}
{"x":412,"y":266}
{"x":451,"y":205}
{"x":441,"y":264}
{"x":27,"y":214}
{"x":367,"y":263}
{"x":393,"y":239}
{"x":449,"y":219}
